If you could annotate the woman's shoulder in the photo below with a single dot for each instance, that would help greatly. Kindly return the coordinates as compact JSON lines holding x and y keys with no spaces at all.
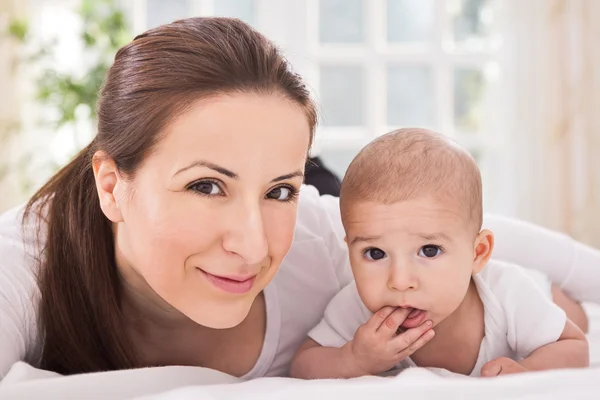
{"x":18,"y":288}
{"x":21,"y":241}
{"x":11,"y":220}
{"x":318,"y":215}
{"x":17,"y":232}
{"x":318,"y":254}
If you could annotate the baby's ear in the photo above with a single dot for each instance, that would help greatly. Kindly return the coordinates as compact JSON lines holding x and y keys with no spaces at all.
{"x":484,"y":245}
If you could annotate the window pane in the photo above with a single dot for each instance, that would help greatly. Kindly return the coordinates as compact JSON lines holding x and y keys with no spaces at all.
{"x":341,"y":21}
{"x":159,"y":12}
{"x":242,"y":9}
{"x":469,"y":90}
{"x":410,"y":20}
{"x":338,"y":160}
{"x":472,"y":23}
{"x":341,"y":94}
{"x":410,"y":96}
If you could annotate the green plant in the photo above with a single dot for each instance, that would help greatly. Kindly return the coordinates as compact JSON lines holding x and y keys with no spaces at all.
{"x":103,"y":34}
{"x":69,"y":95}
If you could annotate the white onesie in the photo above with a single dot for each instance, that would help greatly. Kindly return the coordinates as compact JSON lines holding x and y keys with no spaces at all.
{"x":519,"y":315}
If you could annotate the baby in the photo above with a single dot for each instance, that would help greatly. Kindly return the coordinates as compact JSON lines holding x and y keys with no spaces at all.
{"x":411,"y":205}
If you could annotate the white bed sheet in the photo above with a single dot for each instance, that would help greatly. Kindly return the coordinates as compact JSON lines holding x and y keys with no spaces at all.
{"x":175,"y":383}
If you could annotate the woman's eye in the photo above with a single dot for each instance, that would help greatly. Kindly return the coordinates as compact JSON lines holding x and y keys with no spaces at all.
{"x":430,"y":251}
{"x":374,"y":254}
{"x":281,"y":193}
{"x":207,"y":188}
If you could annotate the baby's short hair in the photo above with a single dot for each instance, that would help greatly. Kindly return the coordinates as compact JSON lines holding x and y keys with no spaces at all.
{"x":413,"y":162}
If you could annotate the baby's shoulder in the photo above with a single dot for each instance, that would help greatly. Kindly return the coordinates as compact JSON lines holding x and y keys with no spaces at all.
{"x":497,"y":274}
{"x":499,"y":284}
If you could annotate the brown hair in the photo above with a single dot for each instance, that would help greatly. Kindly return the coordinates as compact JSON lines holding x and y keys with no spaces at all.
{"x":153,"y":79}
{"x":412,"y":162}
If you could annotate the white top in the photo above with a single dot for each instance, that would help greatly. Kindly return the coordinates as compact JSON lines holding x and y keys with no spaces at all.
{"x":313,"y":272}
{"x":519,"y":315}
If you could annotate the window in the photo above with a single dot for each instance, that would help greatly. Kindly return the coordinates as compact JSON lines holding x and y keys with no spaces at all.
{"x":151,"y":13}
{"x":377,"y":65}
{"x":384,"y":64}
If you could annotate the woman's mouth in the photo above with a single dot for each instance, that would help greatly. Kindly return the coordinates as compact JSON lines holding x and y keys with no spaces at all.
{"x":230,"y":284}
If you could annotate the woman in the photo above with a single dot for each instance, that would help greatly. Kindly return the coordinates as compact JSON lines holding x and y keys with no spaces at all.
{"x":160,"y":242}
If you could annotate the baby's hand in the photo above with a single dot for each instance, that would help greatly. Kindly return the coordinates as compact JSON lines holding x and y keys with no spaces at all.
{"x":502,"y":366}
{"x":376,"y":346}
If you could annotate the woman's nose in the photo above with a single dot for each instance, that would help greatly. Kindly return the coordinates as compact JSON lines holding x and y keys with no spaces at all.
{"x":246,"y":235}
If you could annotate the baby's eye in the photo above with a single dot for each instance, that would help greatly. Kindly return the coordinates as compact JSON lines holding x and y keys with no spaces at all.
{"x":430,"y":251}
{"x":374,"y":254}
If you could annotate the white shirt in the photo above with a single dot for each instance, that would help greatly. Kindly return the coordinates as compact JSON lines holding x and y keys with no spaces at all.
{"x":312,"y":273}
{"x":519,"y":315}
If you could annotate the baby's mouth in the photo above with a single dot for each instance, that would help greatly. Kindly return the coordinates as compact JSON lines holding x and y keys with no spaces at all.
{"x":415,"y":318}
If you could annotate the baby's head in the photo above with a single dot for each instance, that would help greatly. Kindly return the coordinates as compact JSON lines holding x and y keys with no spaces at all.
{"x":411,"y":204}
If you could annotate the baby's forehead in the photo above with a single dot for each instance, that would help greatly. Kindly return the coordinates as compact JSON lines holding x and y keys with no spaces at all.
{"x":419,"y":215}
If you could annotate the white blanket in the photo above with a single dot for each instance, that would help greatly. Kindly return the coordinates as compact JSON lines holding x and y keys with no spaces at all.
{"x":174,"y":383}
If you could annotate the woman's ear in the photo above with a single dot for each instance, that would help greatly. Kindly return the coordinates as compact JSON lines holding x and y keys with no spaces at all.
{"x":109,"y":186}
{"x":484,"y":245}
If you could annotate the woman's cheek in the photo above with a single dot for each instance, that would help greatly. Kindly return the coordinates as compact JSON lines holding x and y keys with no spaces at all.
{"x":279,"y":228}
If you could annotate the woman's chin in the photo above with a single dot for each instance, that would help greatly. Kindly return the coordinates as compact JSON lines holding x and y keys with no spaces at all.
{"x":222,"y":324}
{"x":221,"y":316}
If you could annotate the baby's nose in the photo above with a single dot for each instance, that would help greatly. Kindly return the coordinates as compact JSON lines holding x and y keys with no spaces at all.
{"x":401,"y":279}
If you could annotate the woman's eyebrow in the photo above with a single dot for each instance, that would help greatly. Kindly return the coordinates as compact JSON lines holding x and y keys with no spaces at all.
{"x":288,"y":176}
{"x":233,"y":175}
{"x":206,"y":164}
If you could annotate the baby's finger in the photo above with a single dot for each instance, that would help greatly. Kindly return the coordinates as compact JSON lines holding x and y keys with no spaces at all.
{"x":416,"y":345}
{"x":413,"y":339}
{"x":389,"y":327}
{"x":510,"y":366}
{"x":379,"y":317}
{"x":492,"y":368}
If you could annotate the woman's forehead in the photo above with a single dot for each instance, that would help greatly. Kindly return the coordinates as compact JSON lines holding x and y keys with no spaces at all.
{"x":239,"y":130}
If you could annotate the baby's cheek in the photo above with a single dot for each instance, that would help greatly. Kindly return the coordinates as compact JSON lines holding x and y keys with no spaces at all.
{"x":455,"y":293}
{"x":372,"y":297}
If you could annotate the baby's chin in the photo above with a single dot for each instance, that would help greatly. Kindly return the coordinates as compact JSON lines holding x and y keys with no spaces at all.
{"x":439,"y":319}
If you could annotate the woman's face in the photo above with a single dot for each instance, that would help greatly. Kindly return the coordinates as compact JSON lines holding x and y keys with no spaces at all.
{"x":210,"y":215}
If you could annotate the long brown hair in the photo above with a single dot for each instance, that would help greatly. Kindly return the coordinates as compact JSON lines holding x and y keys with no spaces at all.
{"x":153,"y":79}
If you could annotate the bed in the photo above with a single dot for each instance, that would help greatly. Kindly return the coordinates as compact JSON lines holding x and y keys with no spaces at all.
{"x":174,"y":383}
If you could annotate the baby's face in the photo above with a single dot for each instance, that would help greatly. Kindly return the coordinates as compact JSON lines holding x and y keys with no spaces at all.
{"x":416,"y":254}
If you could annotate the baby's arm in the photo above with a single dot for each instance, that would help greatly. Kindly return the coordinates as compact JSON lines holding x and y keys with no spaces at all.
{"x":569,"y":351}
{"x":312,"y":361}
{"x":375,"y":348}
{"x":538,"y":331}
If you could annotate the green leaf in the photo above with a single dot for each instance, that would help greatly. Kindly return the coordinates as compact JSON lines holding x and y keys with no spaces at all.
{"x":18,"y":29}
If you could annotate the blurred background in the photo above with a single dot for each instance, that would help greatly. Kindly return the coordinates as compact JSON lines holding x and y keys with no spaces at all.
{"x":515,"y":82}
